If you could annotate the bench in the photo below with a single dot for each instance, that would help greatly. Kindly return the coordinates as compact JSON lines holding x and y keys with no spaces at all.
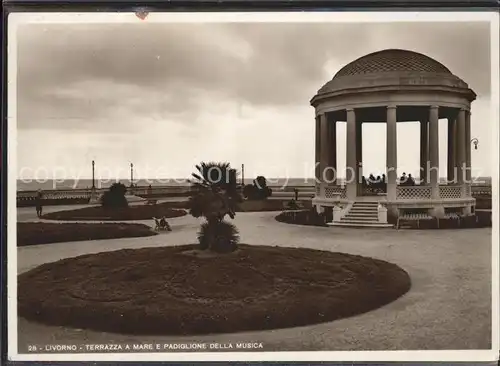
{"x":159,"y":225}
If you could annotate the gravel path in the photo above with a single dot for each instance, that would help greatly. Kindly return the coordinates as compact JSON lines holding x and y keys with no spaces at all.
{"x":447,"y":308}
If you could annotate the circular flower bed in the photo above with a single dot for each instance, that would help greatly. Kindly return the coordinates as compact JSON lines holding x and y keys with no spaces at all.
{"x":169,"y":290}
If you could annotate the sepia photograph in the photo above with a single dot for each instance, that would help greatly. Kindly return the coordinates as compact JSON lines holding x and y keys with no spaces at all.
{"x":295,"y":186}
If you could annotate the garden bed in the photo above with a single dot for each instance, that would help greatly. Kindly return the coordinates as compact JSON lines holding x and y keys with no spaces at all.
{"x":266,"y":205}
{"x":310,"y":218}
{"x":167,"y":209}
{"x":248,"y":205}
{"x":135,"y":212}
{"x":167,"y":291}
{"x":302,"y":217}
{"x":480,"y":220}
{"x":34,"y":233}
{"x":53,"y":202}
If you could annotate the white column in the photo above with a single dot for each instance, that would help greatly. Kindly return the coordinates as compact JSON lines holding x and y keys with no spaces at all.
{"x":451,"y":150}
{"x":468,"y":174}
{"x":317,"y":151}
{"x":424,"y":149}
{"x":351,"y":176}
{"x":333,"y":147}
{"x":359,"y":156}
{"x":455,"y":150}
{"x":434,"y":151}
{"x":325,"y":149}
{"x":392,"y":153}
{"x":461,"y":154}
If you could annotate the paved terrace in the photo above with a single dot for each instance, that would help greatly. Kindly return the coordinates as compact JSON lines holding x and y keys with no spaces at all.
{"x":448,"y":306}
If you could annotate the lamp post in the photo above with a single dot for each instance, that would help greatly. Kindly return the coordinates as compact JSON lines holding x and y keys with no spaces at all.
{"x":474,"y":141}
{"x":93,"y":174}
{"x":242,"y":175}
{"x":131,"y":175}
{"x":94,"y":197}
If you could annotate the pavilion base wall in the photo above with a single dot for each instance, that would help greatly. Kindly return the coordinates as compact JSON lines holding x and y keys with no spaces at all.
{"x":437,"y":211}
{"x":392,"y":214}
{"x":338,"y":207}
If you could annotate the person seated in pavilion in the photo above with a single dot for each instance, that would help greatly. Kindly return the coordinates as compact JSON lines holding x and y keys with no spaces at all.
{"x":364,"y":183}
{"x":384,"y":183}
{"x":369,"y":183}
{"x":410,"y":181}
{"x":403,"y":180}
{"x":371,"y":179}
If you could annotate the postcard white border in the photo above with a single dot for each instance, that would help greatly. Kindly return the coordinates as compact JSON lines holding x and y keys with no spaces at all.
{"x":340,"y":17}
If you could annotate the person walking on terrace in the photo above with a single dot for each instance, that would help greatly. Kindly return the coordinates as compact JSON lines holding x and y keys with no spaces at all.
{"x":38,"y":203}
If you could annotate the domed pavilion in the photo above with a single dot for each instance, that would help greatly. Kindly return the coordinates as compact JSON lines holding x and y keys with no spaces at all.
{"x":393,"y":86}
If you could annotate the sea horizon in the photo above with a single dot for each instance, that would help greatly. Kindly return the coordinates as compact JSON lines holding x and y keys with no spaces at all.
{"x":48,"y":184}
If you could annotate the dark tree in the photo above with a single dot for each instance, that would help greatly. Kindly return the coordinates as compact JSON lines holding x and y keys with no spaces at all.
{"x":114,"y":197}
{"x":258,"y":190}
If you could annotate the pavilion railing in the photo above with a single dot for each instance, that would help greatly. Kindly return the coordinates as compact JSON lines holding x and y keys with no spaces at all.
{"x":424,"y":192}
{"x":331,"y":191}
{"x":451,"y":192}
{"x":413,"y":192}
{"x":335,"y":192}
{"x":27,"y":196}
{"x":85,"y":193}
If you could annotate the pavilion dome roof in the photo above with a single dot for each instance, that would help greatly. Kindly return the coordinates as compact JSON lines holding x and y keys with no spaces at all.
{"x":392,"y":68}
{"x":392,"y":60}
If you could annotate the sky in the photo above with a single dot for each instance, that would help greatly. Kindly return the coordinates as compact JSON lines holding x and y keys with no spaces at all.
{"x":167,"y":96}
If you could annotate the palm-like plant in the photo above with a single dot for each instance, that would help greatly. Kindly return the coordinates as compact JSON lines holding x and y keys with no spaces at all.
{"x":215,"y":196}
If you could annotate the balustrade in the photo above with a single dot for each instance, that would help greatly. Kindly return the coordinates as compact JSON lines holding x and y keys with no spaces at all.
{"x":331,"y":192}
{"x":413,"y":192}
{"x":450,"y":192}
{"x":424,"y":192}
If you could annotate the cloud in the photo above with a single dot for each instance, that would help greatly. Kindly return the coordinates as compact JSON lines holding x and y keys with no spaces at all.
{"x":70,"y":76}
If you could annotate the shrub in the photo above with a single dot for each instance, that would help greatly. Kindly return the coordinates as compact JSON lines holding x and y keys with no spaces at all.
{"x":293,"y":205}
{"x":114,"y":197}
{"x":258,"y":190}
{"x":249,"y":191}
{"x":483,"y":219}
{"x":220,"y":237}
{"x":483,"y":202}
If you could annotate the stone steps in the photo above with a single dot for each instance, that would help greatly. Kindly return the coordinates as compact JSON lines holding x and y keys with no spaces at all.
{"x":360,"y":218}
{"x":361,"y":214}
{"x":360,"y":225}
